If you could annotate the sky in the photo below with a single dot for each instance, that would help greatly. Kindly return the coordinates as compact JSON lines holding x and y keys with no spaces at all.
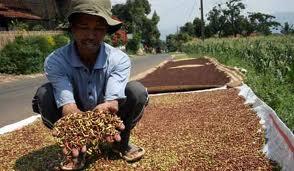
{"x":175,"y":13}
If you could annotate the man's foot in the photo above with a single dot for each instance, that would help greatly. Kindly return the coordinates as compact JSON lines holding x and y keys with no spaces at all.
{"x":133,"y":153}
{"x":76,"y":163}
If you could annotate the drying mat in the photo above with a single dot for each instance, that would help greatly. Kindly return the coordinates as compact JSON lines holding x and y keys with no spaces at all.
{"x":184,"y":75}
{"x":192,"y":131}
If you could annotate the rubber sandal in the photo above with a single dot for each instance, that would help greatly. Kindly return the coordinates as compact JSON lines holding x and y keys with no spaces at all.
{"x":133,"y":154}
{"x":77,"y":163}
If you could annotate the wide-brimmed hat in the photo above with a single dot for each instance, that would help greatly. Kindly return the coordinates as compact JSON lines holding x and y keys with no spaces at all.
{"x":100,"y":8}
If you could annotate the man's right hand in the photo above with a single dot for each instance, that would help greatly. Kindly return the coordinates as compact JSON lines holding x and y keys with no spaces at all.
{"x":70,"y":108}
{"x":116,"y":137}
{"x":75,"y":152}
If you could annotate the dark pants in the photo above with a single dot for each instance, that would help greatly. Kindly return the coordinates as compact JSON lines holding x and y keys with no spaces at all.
{"x":130,"y":111}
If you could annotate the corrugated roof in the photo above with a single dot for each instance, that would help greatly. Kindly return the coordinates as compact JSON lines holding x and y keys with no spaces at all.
{"x":2,"y":7}
{"x":13,"y":13}
{"x":17,"y":4}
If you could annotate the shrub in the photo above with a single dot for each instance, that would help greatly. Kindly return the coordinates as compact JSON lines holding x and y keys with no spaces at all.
{"x":133,"y":45}
{"x":26,"y":55}
{"x":38,"y":27}
{"x":61,"y":40}
{"x":18,"y":25}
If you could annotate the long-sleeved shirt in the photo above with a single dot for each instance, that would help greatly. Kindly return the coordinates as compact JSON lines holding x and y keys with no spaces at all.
{"x":73,"y":82}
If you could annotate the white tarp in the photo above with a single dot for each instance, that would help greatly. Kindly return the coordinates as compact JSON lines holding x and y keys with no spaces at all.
{"x":279,"y":139}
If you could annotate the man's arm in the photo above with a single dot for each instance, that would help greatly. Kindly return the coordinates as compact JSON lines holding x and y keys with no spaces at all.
{"x":56,"y":73}
{"x":69,"y":109}
{"x":117,"y":80}
{"x":115,"y":85}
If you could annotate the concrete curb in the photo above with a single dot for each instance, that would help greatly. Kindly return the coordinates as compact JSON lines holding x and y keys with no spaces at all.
{"x":18,"y":125}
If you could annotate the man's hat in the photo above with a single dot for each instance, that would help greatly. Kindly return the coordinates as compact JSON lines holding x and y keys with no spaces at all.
{"x":100,"y":8}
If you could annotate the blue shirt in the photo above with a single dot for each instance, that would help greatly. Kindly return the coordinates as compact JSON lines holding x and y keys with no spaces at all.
{"x":73,"y":82}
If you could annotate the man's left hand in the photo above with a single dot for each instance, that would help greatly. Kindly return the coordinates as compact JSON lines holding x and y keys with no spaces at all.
{"x":111,"y":106}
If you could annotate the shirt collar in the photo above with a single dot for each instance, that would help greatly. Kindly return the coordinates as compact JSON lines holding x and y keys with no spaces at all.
{"x":100,"y":61}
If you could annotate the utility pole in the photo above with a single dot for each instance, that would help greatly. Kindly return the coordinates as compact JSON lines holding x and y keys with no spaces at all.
{"x":202,"y":20}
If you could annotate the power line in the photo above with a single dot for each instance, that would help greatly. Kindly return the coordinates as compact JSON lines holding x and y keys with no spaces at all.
{"x":174,"y":7}
{"x":193,"y":6}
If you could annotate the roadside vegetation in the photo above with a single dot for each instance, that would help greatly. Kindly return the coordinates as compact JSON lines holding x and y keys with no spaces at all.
{"x":269,"y":62}
{"x":26,"y":55}
{"x":228,"y":20}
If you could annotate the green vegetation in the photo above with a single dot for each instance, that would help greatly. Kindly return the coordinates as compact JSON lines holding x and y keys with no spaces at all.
{"x":269,"y":62}
{"x":227,"y":20}
{"x":26,"y":55}
{"x":133,"y":45}
{"x":287,"y":28}
{"x":134,"y":14}
{"x":17,"y":25}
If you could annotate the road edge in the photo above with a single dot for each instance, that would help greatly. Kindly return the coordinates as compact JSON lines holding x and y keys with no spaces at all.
{"x":18,"y":125}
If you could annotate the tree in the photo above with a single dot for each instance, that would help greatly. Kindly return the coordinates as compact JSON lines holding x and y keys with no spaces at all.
{"x":262,"y":23}
{"x":246,"y":26}
{"x":226,"y":20}
{"x":134,"y":15}
{"x":216,"y":20}
{"x":188,"y":28}
{"x":233,"y":16}
{"x":175,"y":42}
{"x":192,"y":29}
{"x":121,"y":12}
{"x":171,"y":42}
{"x":287,"y":29}
{"x":150,"y":33}
{"x":197,"y":26}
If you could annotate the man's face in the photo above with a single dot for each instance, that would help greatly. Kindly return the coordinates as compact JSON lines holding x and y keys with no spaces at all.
{"x":88,"y":32}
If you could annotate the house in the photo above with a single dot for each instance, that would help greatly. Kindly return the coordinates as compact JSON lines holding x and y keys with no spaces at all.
{"x":48,"y":10}
{"x":14,"y":9}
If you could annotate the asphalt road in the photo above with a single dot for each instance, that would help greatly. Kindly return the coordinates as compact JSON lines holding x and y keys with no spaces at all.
{"x":16,"y":96}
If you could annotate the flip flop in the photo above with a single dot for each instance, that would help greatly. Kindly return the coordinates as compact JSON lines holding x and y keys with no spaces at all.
{"x":77,"y":163}
{"x":132,"y":154}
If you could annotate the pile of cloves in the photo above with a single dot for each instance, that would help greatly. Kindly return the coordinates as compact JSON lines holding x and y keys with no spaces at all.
{"x":86,"y":129}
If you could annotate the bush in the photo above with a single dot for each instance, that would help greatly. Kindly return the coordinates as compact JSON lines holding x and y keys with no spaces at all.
{"x":38,"y":27}
{"x":133,"y":45}
{"x":61,"y":40}
{"x":26,"y":55}
{"x":18,"y":25}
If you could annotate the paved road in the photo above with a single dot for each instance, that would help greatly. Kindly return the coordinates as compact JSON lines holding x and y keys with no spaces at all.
{"x":15,"y":97}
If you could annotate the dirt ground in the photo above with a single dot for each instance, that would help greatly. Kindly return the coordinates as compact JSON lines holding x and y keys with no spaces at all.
{"x":4,"y":78}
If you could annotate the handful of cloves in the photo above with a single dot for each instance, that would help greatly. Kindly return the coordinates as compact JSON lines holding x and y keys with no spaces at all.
{"x":86,"y":129}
